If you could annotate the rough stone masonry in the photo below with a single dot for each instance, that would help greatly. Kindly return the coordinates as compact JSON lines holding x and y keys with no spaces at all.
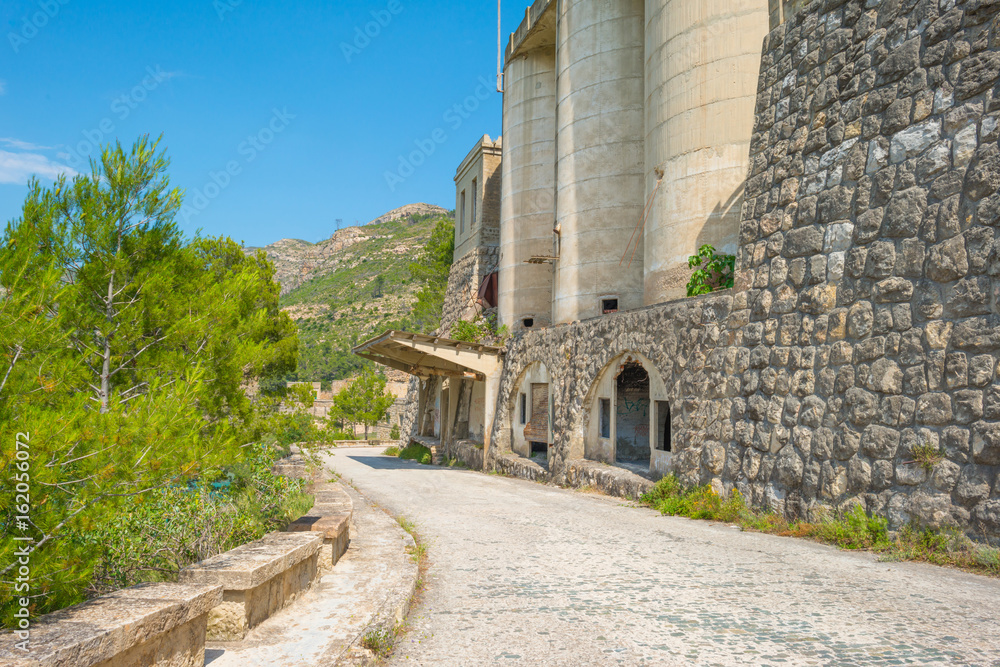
{"x":863,"y":330}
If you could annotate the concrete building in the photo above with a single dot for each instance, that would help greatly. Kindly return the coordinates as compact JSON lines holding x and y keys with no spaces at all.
{"x":472,"y":283}
{"x":477,"y":198}
{"x":846,"y":153}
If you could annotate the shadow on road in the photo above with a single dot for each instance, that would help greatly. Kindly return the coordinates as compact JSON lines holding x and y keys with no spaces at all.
{"x":392,"y":463}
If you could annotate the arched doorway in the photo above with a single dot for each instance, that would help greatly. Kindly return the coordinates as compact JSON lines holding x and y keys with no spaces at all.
{"x":531,"y":414}
{"x":629,"y":417}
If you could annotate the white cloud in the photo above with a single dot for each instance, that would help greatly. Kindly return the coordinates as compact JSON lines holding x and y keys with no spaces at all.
{"x":22,"y":145}
{"x":16,"y":168}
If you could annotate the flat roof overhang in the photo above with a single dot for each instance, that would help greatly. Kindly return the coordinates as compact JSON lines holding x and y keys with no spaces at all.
{"x":426,"y":356}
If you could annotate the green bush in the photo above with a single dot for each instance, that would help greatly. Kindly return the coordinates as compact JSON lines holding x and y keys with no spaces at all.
{"x":165,"y":530}
{"x":394,"y":432}
{"x":854,"y":529}
{"x":418,"y":453}
{"x":713,"y":272}
{"x":480,"y":330}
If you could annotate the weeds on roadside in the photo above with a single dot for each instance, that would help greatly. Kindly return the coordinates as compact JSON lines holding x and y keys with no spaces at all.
{"x":379,"y":640}
{"x":391,"y":451}
{"x":417,"y":453}
{"x":853,"y":529}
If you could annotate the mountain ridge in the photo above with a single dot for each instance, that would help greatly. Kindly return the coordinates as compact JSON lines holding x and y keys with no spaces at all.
{"x":297,"y":261}
{"x":351,"y":286}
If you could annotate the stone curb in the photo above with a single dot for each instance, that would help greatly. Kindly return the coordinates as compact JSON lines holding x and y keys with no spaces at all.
{"x":390,"y":614}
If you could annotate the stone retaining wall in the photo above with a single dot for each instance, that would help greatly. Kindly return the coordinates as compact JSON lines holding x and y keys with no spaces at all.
{"x":258,"y":579}
{"x":150,"y":624}
{"x":466,"y":452}
{"x":330,"y":516}
{"x":221,"y":598}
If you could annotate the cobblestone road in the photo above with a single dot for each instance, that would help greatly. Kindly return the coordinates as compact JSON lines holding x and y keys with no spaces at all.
{"x":525,"y":574}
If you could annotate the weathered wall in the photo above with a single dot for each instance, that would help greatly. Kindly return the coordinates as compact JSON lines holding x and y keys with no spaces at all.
{"x":479,"y":178}
{"x":864,"y":323}
{"x":528,"y":203}
{"x":867,"y":261}
{"x":463,"y":286}
{"x":676,"y":338}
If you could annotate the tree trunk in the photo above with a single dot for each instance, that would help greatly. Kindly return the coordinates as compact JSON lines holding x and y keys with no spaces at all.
{"x":105,"y":395}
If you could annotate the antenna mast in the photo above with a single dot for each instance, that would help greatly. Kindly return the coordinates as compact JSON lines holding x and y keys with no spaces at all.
{"x":499,"y":52}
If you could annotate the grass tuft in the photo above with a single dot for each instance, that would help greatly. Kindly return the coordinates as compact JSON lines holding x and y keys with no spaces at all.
{"x":417,"y":453}
{"x":379,"y":640}
{"x":852,"y":529}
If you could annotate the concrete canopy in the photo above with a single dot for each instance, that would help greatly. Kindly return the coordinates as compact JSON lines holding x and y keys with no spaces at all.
{"x":426,"y":356}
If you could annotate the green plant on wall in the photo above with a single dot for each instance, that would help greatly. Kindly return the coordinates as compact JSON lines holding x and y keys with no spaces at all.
{"x":712,"y":271}
{"x":480,"y":330}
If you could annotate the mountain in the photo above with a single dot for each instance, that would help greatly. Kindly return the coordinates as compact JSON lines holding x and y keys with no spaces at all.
{"x":333,"y":290}
{"x":296,"y":261}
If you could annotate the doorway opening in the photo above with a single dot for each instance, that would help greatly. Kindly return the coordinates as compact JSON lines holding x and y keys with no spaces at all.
{"x":540,"y":450}
{"x":663,"y":426}
{"x":632,"y":417}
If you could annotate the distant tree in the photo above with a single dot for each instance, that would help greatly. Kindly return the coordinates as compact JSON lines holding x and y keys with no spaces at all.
{"x":379,"y":286}
{"x":363,"y":401}
{"x":431,"y":269}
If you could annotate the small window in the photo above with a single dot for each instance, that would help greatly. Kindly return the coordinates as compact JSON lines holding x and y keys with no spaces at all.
{"x":605,"y":417}
{"x":461,"y":228}
{"x":475,"y":197}
{"x":663,"y":426}
{"x":609,"y":305}
{"x":524,"y":408}
{"x":529,"y":322}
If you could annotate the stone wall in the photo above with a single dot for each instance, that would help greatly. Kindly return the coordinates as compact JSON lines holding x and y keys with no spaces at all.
{"x":683,"y":340}
{"x":463,"y":286}
{"x":862,"y":337}
{"x":866,"y":288}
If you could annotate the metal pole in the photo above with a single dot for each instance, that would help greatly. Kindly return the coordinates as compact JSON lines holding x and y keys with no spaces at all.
{"x":499,"y":51}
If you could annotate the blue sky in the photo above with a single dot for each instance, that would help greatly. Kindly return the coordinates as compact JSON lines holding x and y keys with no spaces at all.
{"x":279,"y":117}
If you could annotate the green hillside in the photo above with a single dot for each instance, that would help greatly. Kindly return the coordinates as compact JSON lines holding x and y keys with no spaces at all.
{"x":351,"y":303}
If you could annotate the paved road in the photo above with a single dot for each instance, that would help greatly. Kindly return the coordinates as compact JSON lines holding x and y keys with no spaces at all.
{"x":525,"y":574}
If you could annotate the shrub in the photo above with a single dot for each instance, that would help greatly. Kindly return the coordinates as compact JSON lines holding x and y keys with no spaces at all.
{"x":480,"y":330}
{"x":391,"y":451}
{"x":394,"y":432}
{"x":168,"y":529}
{"x":713,"y":272}
{"x":927,"y":455}
{"x":854,"y":529}
{"x":418,"y":453}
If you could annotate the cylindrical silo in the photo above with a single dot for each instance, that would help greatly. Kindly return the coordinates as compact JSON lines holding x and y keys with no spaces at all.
{"x":527,"y":210}
{"x":702,"y":65}
{"x":599,"y":136}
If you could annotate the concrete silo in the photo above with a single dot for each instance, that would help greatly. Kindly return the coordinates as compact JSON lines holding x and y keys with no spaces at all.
{"x":702,"y":60}
{"x":599,"y":154}
{"x":528,"y":203}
